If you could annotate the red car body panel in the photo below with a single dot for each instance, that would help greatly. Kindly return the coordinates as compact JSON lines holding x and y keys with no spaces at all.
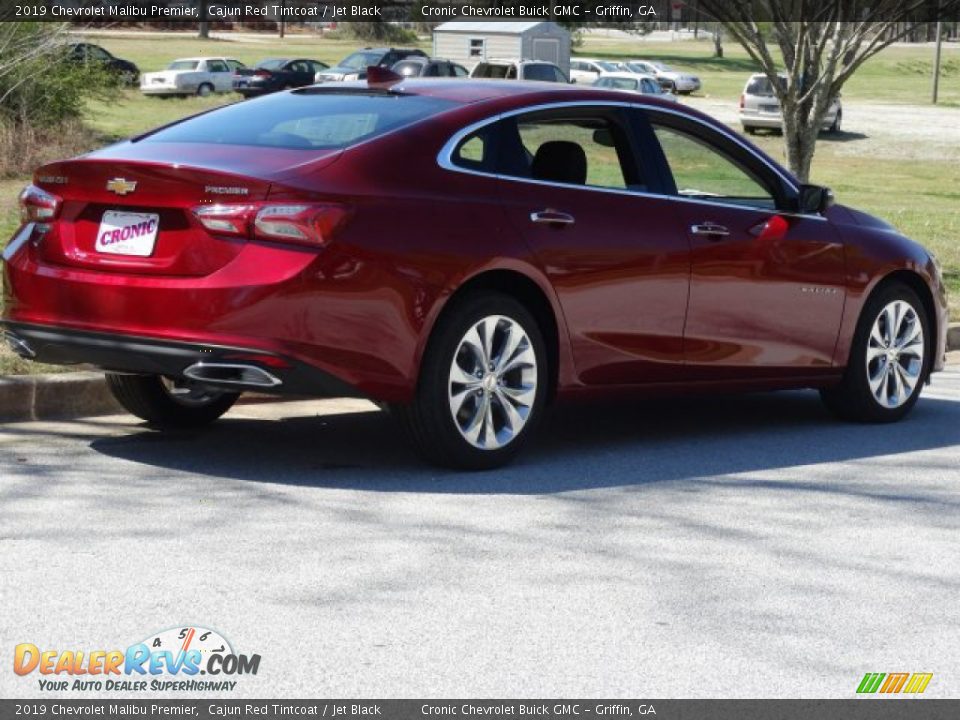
{"x":671,"y":311}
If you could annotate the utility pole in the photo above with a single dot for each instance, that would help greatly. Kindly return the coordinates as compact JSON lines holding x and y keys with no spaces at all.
{"x":936,"y":64}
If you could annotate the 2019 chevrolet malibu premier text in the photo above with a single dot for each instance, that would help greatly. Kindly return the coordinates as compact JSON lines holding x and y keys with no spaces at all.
{"x":462,"y":252}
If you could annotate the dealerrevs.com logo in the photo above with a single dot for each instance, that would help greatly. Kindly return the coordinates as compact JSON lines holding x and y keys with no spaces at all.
{"x":183,"y":658}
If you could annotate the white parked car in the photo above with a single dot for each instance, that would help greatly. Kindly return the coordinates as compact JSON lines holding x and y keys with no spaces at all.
{"x":634,"y":82}
{"x":192,"y":76}
{"x":684,"y":83}
{"x":760,"y":108}
{"x":519,"y":70}
{"x":586,"y":70}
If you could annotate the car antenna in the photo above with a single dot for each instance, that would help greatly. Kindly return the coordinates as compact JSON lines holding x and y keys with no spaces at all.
{"x":380,"y":76}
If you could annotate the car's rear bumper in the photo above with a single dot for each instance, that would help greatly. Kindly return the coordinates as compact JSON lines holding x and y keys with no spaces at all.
{"x":164,"y":90}
{"x":275,"y":373}
{"x":771,"y":121}
{"x":270,"y":300}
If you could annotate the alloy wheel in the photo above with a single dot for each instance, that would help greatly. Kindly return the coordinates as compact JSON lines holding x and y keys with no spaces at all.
{"x":895,"y":353}
{"x":188,"y":393}
{"x":492,"y":382}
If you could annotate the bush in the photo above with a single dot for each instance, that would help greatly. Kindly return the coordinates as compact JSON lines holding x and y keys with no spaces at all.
{"x":39,"y":88}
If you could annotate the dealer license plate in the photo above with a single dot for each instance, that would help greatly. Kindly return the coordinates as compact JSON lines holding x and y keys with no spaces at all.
{"x":127,"y":233}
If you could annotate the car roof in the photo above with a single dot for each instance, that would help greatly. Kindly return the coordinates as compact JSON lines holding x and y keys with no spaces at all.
{"x":476,"y":91}
{"x":515,"y":61}
{"x":199,"y":59}
{"x":628,"y":74}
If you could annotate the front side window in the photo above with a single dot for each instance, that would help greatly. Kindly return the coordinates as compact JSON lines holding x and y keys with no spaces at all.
{"x":702,"y":171}
{"x":217,"y":66}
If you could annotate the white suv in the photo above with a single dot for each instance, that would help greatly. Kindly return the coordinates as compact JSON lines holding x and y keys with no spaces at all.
{"x":519,"y":70}
{"x":760,"y":108}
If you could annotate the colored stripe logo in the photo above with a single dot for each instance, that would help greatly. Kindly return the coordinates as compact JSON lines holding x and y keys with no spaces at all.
{"x":893,"y":683}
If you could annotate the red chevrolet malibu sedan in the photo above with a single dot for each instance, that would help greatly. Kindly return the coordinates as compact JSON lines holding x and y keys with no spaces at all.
{"x":463,"y":252}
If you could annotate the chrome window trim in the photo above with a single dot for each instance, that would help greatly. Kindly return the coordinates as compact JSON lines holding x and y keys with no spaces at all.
{"x":445,"y":156}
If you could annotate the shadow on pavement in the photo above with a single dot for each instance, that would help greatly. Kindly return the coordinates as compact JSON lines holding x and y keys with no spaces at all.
{"x":578,"y":447}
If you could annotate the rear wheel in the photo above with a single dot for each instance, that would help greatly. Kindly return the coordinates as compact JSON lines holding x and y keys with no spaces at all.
{"x":835,"y":126}
{"x":888,"y":362}
{"x":482,"y":385}
{"x":167,"y":403}
{"x":749,"y":129}
{"x":205,"y":89}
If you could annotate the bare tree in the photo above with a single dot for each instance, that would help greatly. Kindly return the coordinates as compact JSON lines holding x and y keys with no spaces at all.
{"x":822,"y":45}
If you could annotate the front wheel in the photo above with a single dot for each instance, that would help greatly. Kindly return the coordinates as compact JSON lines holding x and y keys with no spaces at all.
{"x":169,"y":404}
{"x":888,"y":361}
{"x":205,"y":89}
{"x":482,"y":386}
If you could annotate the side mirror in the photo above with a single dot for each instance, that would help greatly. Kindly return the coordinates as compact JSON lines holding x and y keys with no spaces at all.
{"x":815,"y":199}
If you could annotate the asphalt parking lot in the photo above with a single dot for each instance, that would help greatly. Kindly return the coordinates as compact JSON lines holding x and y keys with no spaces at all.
{"x":719,"y":547}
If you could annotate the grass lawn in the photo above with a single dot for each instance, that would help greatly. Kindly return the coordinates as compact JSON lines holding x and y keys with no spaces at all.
{"x":921,"y":199}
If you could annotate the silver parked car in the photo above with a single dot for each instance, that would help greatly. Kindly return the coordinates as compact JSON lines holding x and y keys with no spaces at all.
{"x":760,"y":108}
{"x":634,"y":82}
{"x":586,"y":70}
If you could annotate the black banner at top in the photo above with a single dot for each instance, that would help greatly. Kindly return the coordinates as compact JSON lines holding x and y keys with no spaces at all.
{"x":612,"y":12}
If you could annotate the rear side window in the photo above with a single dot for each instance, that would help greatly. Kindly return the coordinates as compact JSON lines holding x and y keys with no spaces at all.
{"x":584,"y":148}
{"x":307,"y":120}
{"x":487,"y":70}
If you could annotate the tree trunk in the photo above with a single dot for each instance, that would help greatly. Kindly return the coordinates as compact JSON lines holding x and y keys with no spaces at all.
{"x":799,"y":140}
{"x":204,"y":31}
{"x":718,"y":43}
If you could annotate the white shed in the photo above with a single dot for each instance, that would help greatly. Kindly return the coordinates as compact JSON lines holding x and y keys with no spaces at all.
{"x":469,"y":43}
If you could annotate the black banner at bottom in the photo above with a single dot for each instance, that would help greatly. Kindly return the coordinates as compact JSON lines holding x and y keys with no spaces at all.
{"x":872,"y":708}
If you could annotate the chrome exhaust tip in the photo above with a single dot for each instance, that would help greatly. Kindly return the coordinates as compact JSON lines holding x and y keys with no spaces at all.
{"x":20,"y":346}
{"x":232,"y":374}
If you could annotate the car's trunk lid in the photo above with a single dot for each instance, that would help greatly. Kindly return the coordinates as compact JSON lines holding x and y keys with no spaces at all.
{"x":134,"y":214}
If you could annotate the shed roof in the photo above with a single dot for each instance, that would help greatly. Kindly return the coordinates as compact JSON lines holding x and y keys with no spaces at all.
{"x":499,"y":28}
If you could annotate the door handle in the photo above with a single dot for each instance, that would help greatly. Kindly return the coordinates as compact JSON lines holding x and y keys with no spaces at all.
{"x":552,"y":217}
{"x":710,"y":230}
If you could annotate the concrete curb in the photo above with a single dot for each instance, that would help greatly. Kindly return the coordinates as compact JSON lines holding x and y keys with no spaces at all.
{"x":82,"y":394}
{"x":48,"y":397}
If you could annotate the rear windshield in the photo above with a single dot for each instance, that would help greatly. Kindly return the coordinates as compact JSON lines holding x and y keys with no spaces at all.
{"x":360,"y":60}
{"x":761,"y":85}
{"x":271,"y":64}
{"x":307,"y":120}
{"x":487,"y":70}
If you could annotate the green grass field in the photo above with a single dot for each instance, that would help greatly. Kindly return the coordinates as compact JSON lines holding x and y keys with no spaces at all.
{"x":921,"y":198}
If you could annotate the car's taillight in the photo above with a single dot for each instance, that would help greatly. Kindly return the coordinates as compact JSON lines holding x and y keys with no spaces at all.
{"x":37,"y":205}
{"x":742,"y":100}
{"x":302,"y":223}
{"x":309,"y":224}
{"x":225,"y":219}
{"x":262,"y":73}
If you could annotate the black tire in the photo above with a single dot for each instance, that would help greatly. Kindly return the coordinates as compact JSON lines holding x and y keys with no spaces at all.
{"x":852,"y":399}
{"x":205,"y":89}
{"x":835,"y":127}
{"x":147,"y":397}
{"x":429,"y":422}
{"x":749,"y":129}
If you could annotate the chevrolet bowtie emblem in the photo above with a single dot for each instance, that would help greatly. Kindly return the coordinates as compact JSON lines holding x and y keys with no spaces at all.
{"x":121,"y":186}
